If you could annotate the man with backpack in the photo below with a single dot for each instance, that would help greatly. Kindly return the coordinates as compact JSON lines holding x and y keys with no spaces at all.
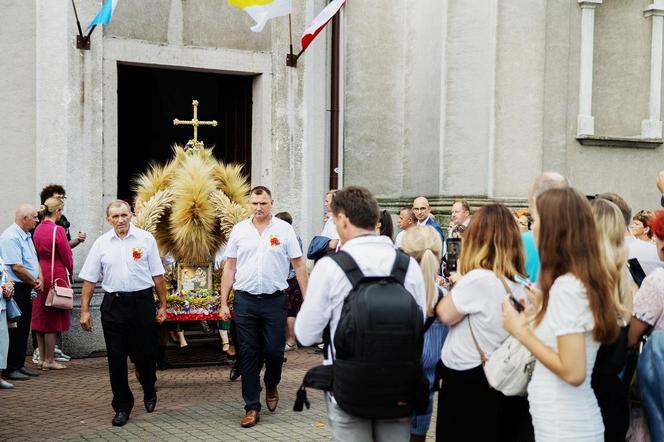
{"x":367,"y":302}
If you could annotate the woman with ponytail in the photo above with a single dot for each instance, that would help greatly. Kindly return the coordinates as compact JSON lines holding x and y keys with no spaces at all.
{"x":423,"y":243}
{"x":47,"y":322}
{"x":491,"y":260}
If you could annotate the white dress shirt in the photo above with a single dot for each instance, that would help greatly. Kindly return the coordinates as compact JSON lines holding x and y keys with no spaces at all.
{"x":125,"y":264}
{"x":328,"y":286}
{"x":263,"y":259}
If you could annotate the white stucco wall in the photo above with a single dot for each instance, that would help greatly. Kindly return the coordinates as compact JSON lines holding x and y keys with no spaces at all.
{"x":17,"y":106}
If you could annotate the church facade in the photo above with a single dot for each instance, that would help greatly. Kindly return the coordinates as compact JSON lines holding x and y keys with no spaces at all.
{"x":434,"y":97}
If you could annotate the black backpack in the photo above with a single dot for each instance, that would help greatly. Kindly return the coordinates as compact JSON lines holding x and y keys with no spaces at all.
{"x":377,"y":371}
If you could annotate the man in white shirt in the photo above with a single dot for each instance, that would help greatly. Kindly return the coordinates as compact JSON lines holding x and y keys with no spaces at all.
{"x":355,"y":213}
{"x":127,"y":259}
{"x":406,"y":221}
{"x":258,"y":254}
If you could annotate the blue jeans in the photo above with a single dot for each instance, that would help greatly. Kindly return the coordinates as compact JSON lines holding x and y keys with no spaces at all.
{"x":650,"y":375}
{"x":261,"y":332}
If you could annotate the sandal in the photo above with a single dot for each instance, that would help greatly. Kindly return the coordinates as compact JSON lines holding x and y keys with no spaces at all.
{"x":290,"y":347}
{"x":54,"y":366}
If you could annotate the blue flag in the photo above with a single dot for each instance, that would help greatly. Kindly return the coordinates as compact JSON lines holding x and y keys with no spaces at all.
{"x":104,"y":15}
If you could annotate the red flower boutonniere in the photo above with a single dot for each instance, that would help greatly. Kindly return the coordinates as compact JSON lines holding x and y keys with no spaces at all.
{"x":136,"y":253}
{"x":274,"y":241}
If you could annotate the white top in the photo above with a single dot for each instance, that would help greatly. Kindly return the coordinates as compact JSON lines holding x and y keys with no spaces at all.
{"x":645,"y":252}
{"x":330,"y":230}
{"x":479,"y":294}
{"x":125,"y":265}
{"x":399,"y":239}
{"x":263,"y":259}
{"x":561,"y":411}
{"x":328,"y":286}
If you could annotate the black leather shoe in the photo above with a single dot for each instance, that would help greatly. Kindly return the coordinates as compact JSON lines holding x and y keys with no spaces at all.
{"x":120,"y":418}
{"x":235,"y":374}
{"x":26,"y":371}
{"x":150,"y":404}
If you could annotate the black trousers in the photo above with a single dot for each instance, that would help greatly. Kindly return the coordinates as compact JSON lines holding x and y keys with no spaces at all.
{"x":18,"y":337}
{"x":261,"y":331}
{"x":470,"y":410}
{"x":130,"y":330}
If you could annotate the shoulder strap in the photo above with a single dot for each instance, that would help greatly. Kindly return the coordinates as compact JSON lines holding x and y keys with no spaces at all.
{"x":507,"y":287}
{"x":400,"y":267}
{"x":55,"y":227}
{"x":483,"y":357}
{"x":349,"y":266}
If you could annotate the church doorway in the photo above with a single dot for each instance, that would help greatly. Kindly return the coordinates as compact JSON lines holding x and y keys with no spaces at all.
{"x":149,"y":98}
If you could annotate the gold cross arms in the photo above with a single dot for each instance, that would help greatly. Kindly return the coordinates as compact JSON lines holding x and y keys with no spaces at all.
{"x":195,"y":122}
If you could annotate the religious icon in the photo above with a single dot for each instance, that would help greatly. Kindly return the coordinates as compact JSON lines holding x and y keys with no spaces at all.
{"x":194,"y":277}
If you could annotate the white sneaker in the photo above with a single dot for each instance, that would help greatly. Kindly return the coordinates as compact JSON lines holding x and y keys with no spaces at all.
{"x":4,"y":385}
{"x":60,"y":356}
{"x":35,"y":356}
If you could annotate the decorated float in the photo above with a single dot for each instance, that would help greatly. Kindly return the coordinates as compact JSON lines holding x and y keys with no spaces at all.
{"x":190,"y":206}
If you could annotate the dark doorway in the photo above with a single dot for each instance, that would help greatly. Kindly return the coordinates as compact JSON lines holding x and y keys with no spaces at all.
{"x":150,"y":98}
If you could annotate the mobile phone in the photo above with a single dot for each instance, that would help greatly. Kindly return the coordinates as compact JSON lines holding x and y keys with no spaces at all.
{"x":453,"y":253}
{"x":517,"y":305}
{"x":635,"y":269}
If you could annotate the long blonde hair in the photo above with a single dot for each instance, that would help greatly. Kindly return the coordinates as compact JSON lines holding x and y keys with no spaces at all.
{"x":611,"y":229}
{"x":424,"y":244}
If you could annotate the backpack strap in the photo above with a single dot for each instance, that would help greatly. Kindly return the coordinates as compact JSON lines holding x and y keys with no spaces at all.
{"x":349,"y":266}
{"x":400,"y":267}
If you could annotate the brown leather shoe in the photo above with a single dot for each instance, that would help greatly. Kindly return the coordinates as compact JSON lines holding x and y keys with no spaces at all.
{"x":271,"y":398}
{"x":250,"y":419}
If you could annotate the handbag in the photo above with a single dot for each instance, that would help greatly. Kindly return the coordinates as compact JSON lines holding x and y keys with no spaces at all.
{"x":59,"y":297}
{"x":510,"y":367}
{"x":13,"y":312}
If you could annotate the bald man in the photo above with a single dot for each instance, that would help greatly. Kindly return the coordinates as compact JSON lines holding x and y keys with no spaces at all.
{"x":20,"y":258}
{"x":422,"y":211}
{"x":542,"y":183}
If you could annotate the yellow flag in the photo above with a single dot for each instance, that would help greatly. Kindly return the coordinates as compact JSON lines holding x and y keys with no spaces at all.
{"x":262,"y":10}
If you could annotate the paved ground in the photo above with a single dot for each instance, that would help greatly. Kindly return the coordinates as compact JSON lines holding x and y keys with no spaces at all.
{"x":194,"y":404}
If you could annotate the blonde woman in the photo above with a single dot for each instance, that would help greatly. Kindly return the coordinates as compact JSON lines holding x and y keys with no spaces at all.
{"x":47,"y":322}
{"x":491,"y":258}
{"x":423,"y":243}
{"x":609,"y":389}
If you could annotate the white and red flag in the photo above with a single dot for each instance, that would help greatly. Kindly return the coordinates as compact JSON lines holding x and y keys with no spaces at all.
{"x":320,"y":22}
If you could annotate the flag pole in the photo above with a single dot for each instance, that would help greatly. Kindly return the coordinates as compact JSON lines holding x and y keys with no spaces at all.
{"x":291,"y":59}
{"x":82,"y":41}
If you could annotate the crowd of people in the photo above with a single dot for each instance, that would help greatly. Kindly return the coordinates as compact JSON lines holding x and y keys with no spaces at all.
{"x":575,"y":282}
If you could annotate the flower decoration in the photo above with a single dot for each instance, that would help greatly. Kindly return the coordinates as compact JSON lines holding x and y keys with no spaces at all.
{"x":274,"y":241}
{"x":137,"y":253}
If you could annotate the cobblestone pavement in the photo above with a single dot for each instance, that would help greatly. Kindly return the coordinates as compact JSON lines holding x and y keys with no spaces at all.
{"x":197,"y":403}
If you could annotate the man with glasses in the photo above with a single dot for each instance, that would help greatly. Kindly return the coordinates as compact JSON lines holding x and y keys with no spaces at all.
{"x":57,"y":191}
{"x":422,"y":211}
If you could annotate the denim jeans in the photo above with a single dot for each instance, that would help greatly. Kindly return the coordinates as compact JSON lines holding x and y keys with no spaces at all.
{"x":650,"y":372}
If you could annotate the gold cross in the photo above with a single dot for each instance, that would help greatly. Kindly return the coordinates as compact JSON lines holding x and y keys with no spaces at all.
{"x":195,"y":122}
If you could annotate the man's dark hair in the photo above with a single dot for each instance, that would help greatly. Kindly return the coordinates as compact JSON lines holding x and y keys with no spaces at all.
{"x":620,"y":202}
{"x":285,"y":216}
{"x":358,"y":204}
{"x":259,"y":190}
{"x":411,"y":214}
{"x":50,"y":190}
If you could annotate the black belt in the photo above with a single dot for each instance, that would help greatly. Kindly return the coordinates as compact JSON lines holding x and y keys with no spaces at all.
{"x":137,"y":294}
{"x":261,"y":295}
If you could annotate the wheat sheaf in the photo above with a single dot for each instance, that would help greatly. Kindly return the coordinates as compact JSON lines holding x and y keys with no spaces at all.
{"x":191,"y":204}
